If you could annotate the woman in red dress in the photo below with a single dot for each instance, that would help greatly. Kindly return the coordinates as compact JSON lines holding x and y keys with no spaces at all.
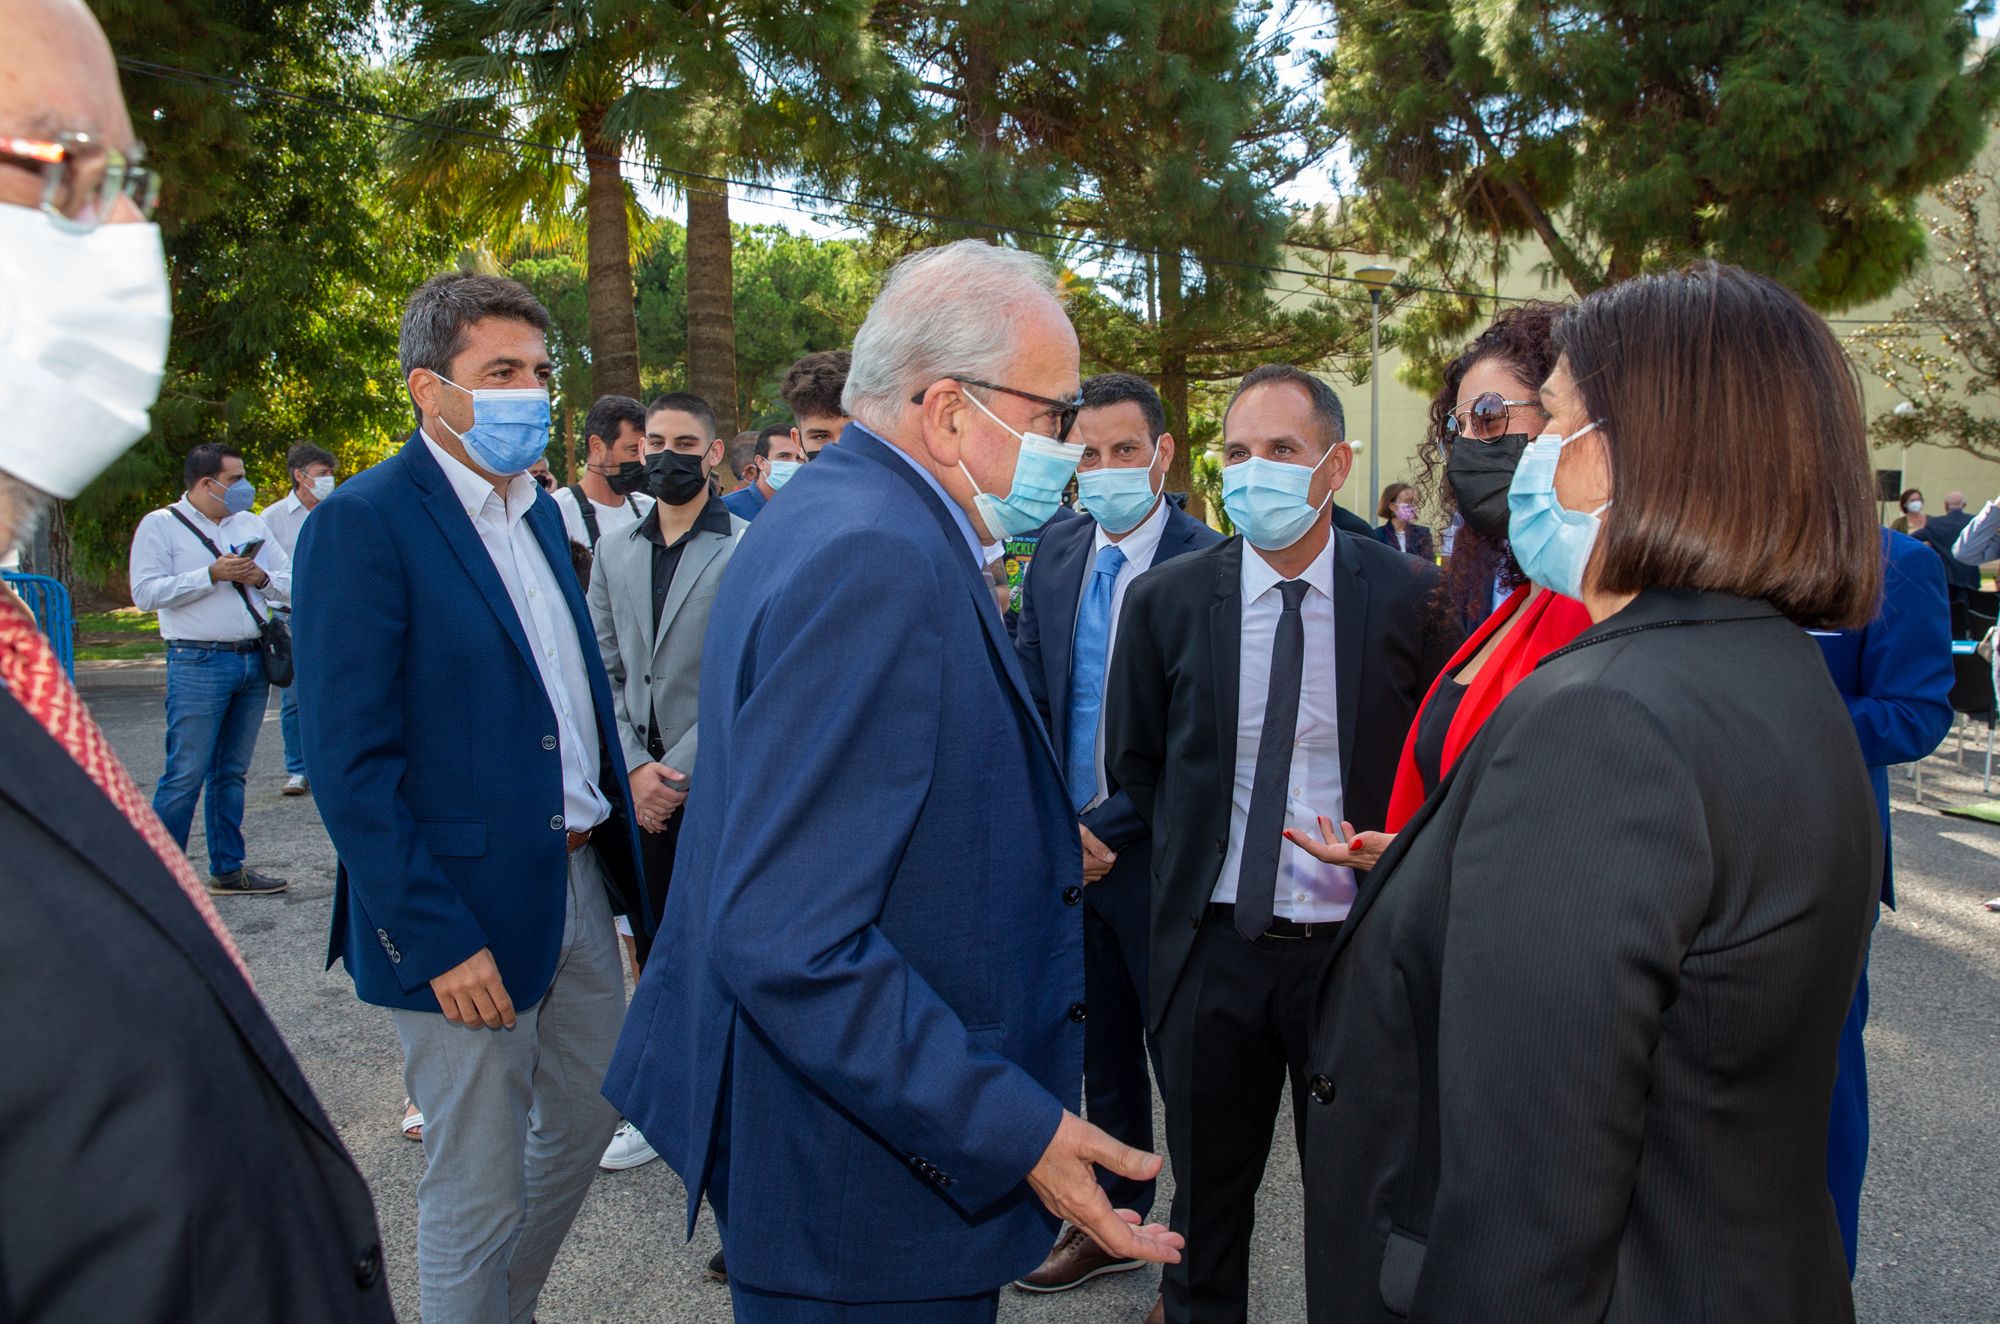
{"x":1482,"y":418}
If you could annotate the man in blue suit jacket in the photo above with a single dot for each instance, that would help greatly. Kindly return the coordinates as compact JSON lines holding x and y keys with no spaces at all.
{"x":1896,"y":676}
{"x":864,"y":1018}
{"x":456,"y":725}
{"x":1069,"y":616}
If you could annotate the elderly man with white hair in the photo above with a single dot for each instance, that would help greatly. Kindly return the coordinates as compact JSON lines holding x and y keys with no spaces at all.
{"x":865,"y":1029}
{"x":161,"y":1156}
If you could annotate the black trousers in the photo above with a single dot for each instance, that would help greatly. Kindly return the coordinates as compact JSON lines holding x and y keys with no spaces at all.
{"x":656,"y":871}
{"x":1117,"y":1087}
{"x":1237,"y":1026}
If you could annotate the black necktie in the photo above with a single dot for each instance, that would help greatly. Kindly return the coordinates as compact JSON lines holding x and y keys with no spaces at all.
{"x":1257,"y":874}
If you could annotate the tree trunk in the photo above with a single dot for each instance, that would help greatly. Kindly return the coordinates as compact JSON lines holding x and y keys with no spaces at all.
{"x":711,"y":305}
{"x":1174,"y":383}
{"x":614,"y":318}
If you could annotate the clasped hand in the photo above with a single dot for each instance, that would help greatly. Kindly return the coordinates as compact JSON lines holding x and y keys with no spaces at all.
{"x":655,"y":798}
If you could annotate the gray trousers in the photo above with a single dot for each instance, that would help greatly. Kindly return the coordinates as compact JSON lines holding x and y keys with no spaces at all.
{"x":514,"y":1123}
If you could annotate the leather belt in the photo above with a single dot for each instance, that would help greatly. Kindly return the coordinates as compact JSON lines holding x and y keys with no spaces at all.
{"x":577,"y":840}
{"x":1280,"y":926}
{"x":216,"y":646}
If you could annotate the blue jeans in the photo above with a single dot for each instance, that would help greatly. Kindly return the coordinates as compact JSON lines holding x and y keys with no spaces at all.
{"x":215,"y":705}
{"x":288,"y":722}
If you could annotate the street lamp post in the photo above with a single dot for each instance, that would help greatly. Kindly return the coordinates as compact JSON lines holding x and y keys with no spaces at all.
{"x":1376,"y":279}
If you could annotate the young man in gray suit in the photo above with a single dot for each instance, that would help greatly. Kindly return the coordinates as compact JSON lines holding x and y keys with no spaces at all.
{"x":651,"y":589}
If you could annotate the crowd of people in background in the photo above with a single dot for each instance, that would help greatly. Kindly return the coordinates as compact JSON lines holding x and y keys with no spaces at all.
{"x":948,"y":788}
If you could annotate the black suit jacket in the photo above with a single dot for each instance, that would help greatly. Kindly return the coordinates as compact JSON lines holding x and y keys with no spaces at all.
{"x":1421,"y":543}
{"x":1170,"y":709}
{"x":1575,"y":1047}
{"x":1940,"y":532}
{"x":161,"y":1157}
{"x":1047,"y":632}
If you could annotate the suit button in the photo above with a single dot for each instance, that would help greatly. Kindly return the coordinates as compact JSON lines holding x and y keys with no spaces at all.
{"x":1322,"y":1089}
{"x":1222,"y":846}
{"x":368,"y":1267}
{"x":649,"y":680}
{"x":1076,"y":1012}
{"x":1194,"y":921}
{"x":1072,"y":894}
{"x":548,"y":742}
{"x":556,"y":823}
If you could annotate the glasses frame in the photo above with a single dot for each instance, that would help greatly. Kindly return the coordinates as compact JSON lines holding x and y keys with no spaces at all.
{"x":125,"y":175}
{"x":1454,"y":428}
{"x":1069,"y":409}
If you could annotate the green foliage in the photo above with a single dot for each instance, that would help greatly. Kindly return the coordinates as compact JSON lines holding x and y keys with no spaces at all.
{"x":1791,"y":136}
{"x":1941,"y":350}
{"x":288,"y":264}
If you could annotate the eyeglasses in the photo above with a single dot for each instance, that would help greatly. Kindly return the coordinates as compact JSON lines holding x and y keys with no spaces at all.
{"x":1066,"y":410}
{"x":1485,"y":417}
{"x":82,"y":178}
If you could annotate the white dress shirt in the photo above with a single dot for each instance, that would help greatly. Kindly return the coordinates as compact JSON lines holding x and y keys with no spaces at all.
{"x":285,"y":519}
{"x":1308,"y":891}
{"x":538,"y":602}
{"x":610,"y":519}
{"x":1139,"y":545}
{"x":169,"y":574}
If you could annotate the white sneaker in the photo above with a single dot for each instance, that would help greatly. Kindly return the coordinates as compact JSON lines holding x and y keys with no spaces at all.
{"x":295,"y":785}
{"x":628,"y":1149}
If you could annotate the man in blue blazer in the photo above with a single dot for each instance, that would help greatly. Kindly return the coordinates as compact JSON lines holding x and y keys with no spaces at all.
{"x":863,"y":1023}
{"x":456,"y":726}
{"x":1069,"y":616}
{"x":1896,"y":676}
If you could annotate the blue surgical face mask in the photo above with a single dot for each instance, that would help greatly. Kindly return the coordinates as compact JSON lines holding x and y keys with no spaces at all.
{"x":1551,"y":542}
{"x":1267,"y":500}
{"x":782,"y":472}
{"x":1042,"y":469}
{"x":1119,"y":499}
{"x":238,"y":496}
{"x":510,"y":428}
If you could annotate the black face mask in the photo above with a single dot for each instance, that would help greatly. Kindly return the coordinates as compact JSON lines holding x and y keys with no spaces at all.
{"x":627,"y":478}
{"x":674,"y":478}
{"x":1480,"y":472}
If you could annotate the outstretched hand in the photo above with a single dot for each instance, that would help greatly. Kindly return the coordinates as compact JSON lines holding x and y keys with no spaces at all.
{"x":1065,"y":1181}
{"x":1354,"y":850}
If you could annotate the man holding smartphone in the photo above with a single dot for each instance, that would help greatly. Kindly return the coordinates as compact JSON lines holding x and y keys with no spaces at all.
{"x":212,"y":571}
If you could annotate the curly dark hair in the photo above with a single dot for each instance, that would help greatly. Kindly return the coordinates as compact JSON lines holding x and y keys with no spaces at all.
{"x":1521,"y":338}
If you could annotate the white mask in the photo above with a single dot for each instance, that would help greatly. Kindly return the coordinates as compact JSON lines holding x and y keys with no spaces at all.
{"x":322,"y":487}
{"x":83,"y":345}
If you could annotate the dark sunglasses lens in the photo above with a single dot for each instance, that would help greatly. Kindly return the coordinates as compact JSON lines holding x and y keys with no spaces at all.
{"x":1489,"y":408}
{"x":1065,"y":422}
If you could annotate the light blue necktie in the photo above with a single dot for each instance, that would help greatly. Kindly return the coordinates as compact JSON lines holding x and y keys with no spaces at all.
{"x":1086,"y":676}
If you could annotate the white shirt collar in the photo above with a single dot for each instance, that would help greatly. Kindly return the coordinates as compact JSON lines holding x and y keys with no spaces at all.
{"x":474,"y":489}
{"x":1259,"y":578}
{"x":186,"y":503}
{"x":1139,"y":543}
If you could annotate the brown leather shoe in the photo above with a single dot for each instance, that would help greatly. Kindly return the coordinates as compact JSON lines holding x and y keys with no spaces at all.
{"x":1074,"y":1260}
{"x":1158,"y":1314}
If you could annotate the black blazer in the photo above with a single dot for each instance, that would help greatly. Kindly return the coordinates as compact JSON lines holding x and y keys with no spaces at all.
{"x":1170,"y":709}
{"x":161,"y":1157}
{"x":1575,"y":1047}
{"x":1939,"y":533}
{"x":1421,"y":543}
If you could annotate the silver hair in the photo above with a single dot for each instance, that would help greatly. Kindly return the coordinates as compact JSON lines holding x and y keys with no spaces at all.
{"x":943,"y":311}
{"x":22,"y":510}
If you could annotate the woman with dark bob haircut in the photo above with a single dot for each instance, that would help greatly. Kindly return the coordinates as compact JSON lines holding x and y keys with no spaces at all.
{"x":1574,"y":1049}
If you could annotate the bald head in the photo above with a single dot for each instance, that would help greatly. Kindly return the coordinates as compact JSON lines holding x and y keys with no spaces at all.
{"x":57,"y":76}
{"x":1954,"y":501}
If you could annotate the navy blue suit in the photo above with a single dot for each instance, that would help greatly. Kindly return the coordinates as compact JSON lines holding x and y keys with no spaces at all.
{"x":1895,"y":675}
{"x":1117,"y":906}
{"x":427,"y":712}
{"x":863,"y":1016}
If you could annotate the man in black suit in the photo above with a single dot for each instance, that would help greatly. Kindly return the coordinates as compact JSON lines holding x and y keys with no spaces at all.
{"x":1960,"y":579}
{"x":1070,"y":601}
{"x":161,"y":1157}
{"x":1259,"y":688}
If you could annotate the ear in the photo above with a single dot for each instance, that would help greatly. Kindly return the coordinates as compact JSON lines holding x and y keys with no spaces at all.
{"x":713,"y":459}
{"x":1339,"y":465}
{"x":943,"y":415}
{"x":1166,"y":456}
{"x":425,"y":389}
{"x":796,"y":443}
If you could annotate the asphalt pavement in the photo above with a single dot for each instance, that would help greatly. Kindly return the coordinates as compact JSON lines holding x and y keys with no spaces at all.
{"x":1931,"y":1211}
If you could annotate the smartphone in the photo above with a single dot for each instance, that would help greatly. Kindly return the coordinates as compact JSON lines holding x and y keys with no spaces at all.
{"x":251,"y":548}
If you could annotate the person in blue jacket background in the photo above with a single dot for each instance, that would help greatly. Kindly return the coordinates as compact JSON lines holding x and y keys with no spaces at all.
{"x":1895,"y":674}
